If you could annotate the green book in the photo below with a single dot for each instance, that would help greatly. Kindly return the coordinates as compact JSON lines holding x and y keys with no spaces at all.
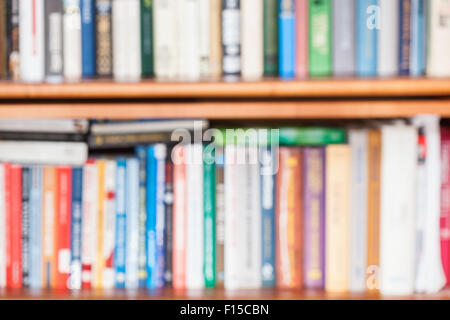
{"x":320,"y":52}
{"x":147,"y":37}
{"x":209,"y":209}
{"x":313,"y":136}
{"x":271,"y":38}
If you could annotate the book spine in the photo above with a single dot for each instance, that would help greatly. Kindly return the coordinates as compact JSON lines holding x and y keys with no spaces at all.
{"x":3,"y":228}
{"x":76,"y":228}
{"x":147,"y":37}
{"x":231,"y":37}
{"x":121,"y":224}
{"x":320,"y":53}
{"x":14,"y":212}
{"x":13,"y":39}
{"x":26,"y":180}
{"x":366,"y":38}
{"x":286,"y":38}
{"x":168,"y":235}
{"x":204,"y":37}
{"x":62,"y":228}
{"x":270,"y":32}
{"x":48,"y":224}
{"x":89,"y":223}
{"x":36,"y":227}
{"x":220,"y":217}
{"x":72,"y":40}
{"x":126,"y":140}
{"x":438,"y":47}
{"x":98,"y":265}
{"x":7,"y":221}
{"x":132,"y":224}
{"x":141,"y":154}
{"x":32,"y":40}
{"x":179,"y":217}
{"x":344,"y":38}
{"x":418,"y":37}
{"x":209,"y":207}
{"x":445,"y":203}
{"x":103,"y":38}
{"x":188,"y":55}
{"x":3,"y":39}
{"x":289,"y":220}
{"x":54,"y":41}
{"x":404,"y":37}
{"x":88,"y":45}
{"x":109,"y":224}
{"x":387,"y":49}
{"x":252,"y":39}
{"x":314,"y":217}
{"x":302,"y":22}
{"x":215,"y":41}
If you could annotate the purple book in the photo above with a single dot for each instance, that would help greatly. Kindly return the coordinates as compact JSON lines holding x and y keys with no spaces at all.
{"x":314,"y":217}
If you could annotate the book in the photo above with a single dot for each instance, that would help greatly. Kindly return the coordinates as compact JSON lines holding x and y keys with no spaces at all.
{"x":286,"y":38}
{"x":121,"y":225}
{"x":48,"y":224}
{"x":231,"y":38}
{"x":404,"y":37}
{"x":44,"y":125}
{"x":337,"y":203}
{"x":141,"y":154}
{"x":72,"y":40}
{"x":35,"y":230}
{"x":367,"y":25}
{"x":146,"y":11}
{"x":132,"y":223}
{"x":289,"y":217}
{"x":168,"y":235}
{"x":3,"y":39}
{"x":3,"y":228}
{"x":419,"y":22}
{"x":118,"y":141}
{"x":388,"y":38}
{"x":76,"y":228}
{"x":220,"y":217}
{"x":12,"y":24}
{"x":343,"y":17}
{"x":88,"y":39}
{"x":320,"y":53}
{"x":54,"y":53}
{"x":312,"y":136}
{"x":126,"y":40}
{"x":39,"y":136}
{"x":252,"y":48}
{"x":270,"y":40}
{"x":445,"y":202}
{"x":209,"y":209}
{"x":103,"y":38}
{"x":397,"y":211}
{"x":314,"y":217}
{"x":204,"y":36}
{"x":32,"y":41}
{"x":302,"y":38}
{"x":25,"y":198}
{"x":215,"y":38}
{"x":438,"y":31}
{"x":358,"y":141}
{"x":165,"y":38}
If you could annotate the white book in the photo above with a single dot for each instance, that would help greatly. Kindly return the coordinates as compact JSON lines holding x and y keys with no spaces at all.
{"x":438,"y":62}
{"x":31,"y":41}
{"x":194,"y":223}
{"x":165,"y":38}
{"x":89,"y":221}
{"x":72,"y":40}
{"x":43,"y":152}
{"x":204,"y":37}
{"x":188,"y":31}
{"x":397,"y":209}
{"x":109,"y":223}
{"x":126,"y":39}
{"x":388,"y":37}
{"x":252,"y":39}
{"x":429,"y":276}
{"x":2,"y":229}
{"x":358,"y":140}
{"x":44,"y":125}
{"x":132,"y":224}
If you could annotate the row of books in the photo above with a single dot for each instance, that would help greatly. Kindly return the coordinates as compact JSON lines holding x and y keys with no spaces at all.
{"x":340,"y":209}
{"x":55,"y":40}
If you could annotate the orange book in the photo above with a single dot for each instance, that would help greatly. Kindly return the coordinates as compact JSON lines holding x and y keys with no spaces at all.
{"x":373,"y":209}
{"x":99,"y":261}
{"x":48,"y":221}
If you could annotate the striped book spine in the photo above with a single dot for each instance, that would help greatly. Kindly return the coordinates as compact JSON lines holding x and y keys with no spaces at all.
{"x":121,"y":223}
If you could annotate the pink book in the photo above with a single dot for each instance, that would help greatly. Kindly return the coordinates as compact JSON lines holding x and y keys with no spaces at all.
{"x":445,"y":202}
{"x":302,"y":38}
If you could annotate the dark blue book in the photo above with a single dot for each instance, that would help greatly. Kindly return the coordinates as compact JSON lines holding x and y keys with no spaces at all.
{"x":120,"y":241}
{"x":404,"y":37}
{"x":88,"y":48}
{"x":77,"y":213}
{"x":286,"y":38}
{"x":26,"y":183}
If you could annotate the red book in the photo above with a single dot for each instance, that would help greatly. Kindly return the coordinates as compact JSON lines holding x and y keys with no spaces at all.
{"x":63,"y":205}
{"x":445,"y":202}
{"x":302,"y":38}
{"x":13,"y":212}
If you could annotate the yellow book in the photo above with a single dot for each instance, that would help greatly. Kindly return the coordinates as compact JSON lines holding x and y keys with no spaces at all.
{"x":99,"y":264}
{"x":337,"y":233}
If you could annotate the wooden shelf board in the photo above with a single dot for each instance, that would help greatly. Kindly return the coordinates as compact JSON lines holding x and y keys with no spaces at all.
{"x":146,"y":89}
{"x":213,"y":294}
{"x":232,"y":110}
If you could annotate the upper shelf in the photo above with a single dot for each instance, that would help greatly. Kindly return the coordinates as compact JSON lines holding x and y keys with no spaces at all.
{"x":153,"y":89}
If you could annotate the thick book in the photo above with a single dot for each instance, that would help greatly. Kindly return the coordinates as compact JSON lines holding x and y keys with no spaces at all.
{"x":404,"y":37}
{"x":12,"y":24}
{"x":88,"y":45}
{"x":270,"y":32}
{"x":438,"y":64}
{"x":3,"y":228}
{"x":220,"y":218}
{"x":337,"y":203}
{"x":418,"y":48}
{"x":77,"y":126}
{"x":35,"y":231}
{"x":76,"y":228}
{"x":26,"y":179}
{"x":121,"y":225}
{"x":344,"y":62}
{"x":215,"y":38}
{"x":286,"y":38}
{"x":320,"y":38}
{"x":209,"y":209}
{"x":252,"y":39}
{"x":388,"y":38}
{"x":48,"y":224}
{"x":72,"y":40}
{"x":103,"y":38}
{"x":4,"y":41}
{"x":40,"y":136}
{"x":314,"y":217}
{"x":367,"y":25}
{"x":445,"y":202}
{"x":312,"y":136}
{"x":141,"y":154}
{"x":231,"y":38}
{"x":168,"y":221}
{"x":146,"y":12}
{"x":302,"y":38}
{"x":289,"y":219}
{"x":32,"y":41}
{"x":397,"y":210}
{"x":204,"y":37}
{"x":132,"y":224}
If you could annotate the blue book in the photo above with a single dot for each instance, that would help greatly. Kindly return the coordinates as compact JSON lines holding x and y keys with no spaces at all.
{"x":120,"y":241}
{"x":156,"y":159}
{"x":26,"y":182}
{"x":141,"y":154}
{"x":286,"y":38}
{"x":35,"y":234}
{"x":77,"y":213}
{"x":366,"y":37}
{"x":267,"y":165}
{"x":418,"y":38}
{"x":88,"y":46}
{"x":132,"y":223}
{"x":404,"y":37}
